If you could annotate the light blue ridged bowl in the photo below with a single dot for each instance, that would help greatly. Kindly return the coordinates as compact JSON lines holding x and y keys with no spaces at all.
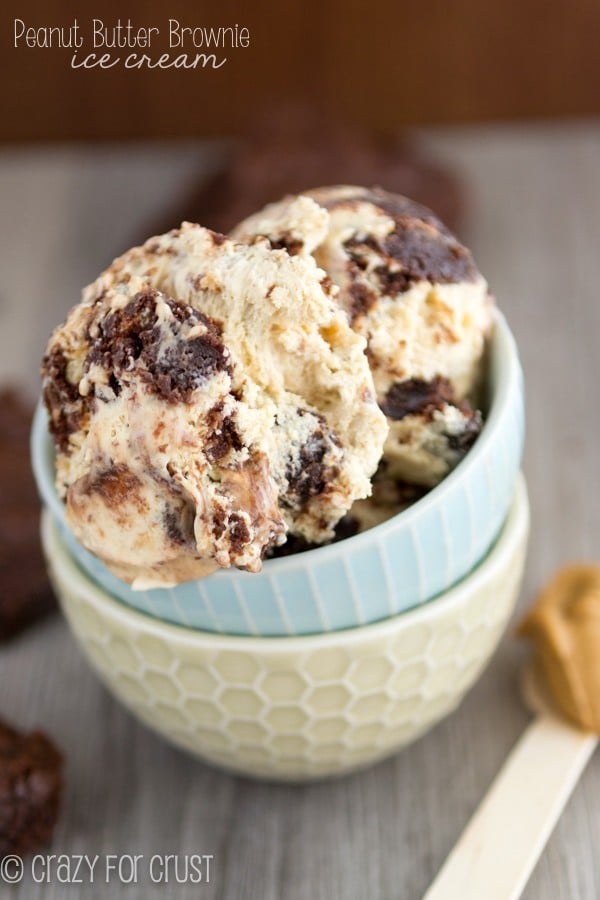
{"x":386,"y":570}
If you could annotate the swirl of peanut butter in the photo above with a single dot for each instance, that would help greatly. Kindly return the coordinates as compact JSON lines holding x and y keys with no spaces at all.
{"x":564,"y":627}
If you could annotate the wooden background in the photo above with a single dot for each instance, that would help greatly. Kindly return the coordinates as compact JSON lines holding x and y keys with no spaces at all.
{"x":385,"y":64}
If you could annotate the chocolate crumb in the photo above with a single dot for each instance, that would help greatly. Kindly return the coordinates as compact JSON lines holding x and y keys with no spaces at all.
{"x":178,"y":522}
{"x":362,"y":297}
{"x":415,"y":396}
{"x":239,"y":534}
{"x":287,"y":242}
{"x":218,"y":527}
{"x":223,"y":435}
{"x":463,"y":441}
{"x":309,"y":474}
{"x":116,"y":485}
{"x":66,"y":408}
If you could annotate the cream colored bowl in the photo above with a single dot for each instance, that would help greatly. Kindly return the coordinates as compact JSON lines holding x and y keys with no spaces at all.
{"x":303,"y":707}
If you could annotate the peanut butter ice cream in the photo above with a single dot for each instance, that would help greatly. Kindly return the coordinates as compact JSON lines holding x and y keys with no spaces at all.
{"x":413,"y":291}
{"x":206,"y":398}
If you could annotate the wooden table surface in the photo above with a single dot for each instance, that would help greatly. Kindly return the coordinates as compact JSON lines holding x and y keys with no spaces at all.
{"x":534,"y":227}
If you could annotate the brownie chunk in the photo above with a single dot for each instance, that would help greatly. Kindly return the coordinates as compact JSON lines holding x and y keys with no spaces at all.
{"x":414,"y":396}
{"x":301,"y":147}
{"x":66,"y":407}
{"x":25,"y":592}
{"x":312,"y":469}
{"x":134,"y":333}
{"x":424,"y":251}
{"x":30,"y":790}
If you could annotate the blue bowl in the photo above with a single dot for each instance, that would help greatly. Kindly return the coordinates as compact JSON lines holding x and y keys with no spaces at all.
{"x":393,"y":567}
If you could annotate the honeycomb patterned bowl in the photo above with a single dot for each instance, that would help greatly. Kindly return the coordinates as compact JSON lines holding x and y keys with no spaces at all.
{"x":356,"y":581}
{"x":304,"y":707}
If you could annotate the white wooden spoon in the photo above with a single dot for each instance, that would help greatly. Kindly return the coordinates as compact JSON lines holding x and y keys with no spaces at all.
{"x":500,"y":846}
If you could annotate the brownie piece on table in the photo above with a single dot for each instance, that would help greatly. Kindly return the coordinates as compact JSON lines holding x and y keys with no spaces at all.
{"x":298,"y":148}
{"x":30,"y":790}
{"x":25,"y":592}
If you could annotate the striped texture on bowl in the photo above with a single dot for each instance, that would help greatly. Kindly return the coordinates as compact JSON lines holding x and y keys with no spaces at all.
{"x":389,"y":569}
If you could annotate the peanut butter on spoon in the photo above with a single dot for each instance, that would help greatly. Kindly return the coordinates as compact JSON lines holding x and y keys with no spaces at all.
{"x":564,"y":627}
{"x":497,"y":851}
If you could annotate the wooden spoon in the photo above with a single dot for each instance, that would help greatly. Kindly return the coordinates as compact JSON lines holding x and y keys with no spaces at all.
{"x":500,"y":846}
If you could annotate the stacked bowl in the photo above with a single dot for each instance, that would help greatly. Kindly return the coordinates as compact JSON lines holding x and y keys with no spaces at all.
{"x":329,"y":659}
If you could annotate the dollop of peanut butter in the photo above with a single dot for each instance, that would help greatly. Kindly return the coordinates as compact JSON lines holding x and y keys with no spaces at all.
{"x":564,"y":627}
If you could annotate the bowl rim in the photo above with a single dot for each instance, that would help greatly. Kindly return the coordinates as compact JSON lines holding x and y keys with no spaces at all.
{"x":502,"y":343}
{"x":514,"y":531}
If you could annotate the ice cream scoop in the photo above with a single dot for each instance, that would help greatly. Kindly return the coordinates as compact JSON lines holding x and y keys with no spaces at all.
{"x":414,"y":292}
{"x":205,"y":398}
